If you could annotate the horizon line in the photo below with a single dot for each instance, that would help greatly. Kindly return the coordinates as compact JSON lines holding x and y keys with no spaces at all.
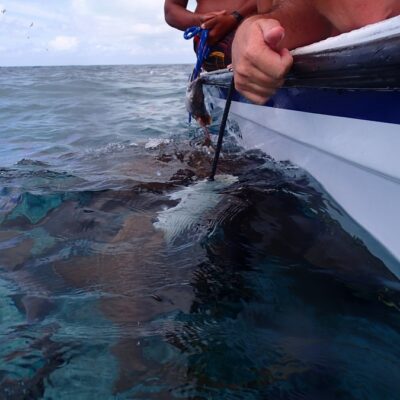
{"x":91,"y":65}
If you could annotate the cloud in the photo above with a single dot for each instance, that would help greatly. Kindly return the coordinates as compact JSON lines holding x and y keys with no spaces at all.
{"x":89,"y":32}
{"x":64,"y":43}
{"x":80,"y":7}
{"x":35,"y":11}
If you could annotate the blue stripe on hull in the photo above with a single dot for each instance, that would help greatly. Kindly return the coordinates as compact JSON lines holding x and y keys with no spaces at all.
{"x":371,"y":105}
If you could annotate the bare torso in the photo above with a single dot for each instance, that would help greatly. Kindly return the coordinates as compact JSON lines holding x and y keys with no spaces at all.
{"x":346,"y":15}
{"x":205,"y":6}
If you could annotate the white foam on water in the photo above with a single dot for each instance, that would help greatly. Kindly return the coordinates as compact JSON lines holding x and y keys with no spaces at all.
{"x":195,"y":200}
{"x":154,"y":143}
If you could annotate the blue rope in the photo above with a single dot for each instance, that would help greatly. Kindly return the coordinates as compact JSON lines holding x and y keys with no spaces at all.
{"x":203,"y":50}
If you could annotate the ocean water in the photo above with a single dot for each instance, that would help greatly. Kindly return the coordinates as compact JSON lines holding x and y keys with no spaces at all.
{"x":125,"y":275}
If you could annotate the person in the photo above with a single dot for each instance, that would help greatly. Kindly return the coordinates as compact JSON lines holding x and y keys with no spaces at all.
{"x":220,"y":17}
{"x":261,"y":56}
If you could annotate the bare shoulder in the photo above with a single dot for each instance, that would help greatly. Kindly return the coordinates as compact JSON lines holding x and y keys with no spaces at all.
{"x":347,"y":15}
{"x":396,"y":8}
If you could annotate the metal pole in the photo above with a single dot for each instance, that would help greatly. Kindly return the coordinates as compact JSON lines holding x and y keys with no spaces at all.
{"x":222,"y":129}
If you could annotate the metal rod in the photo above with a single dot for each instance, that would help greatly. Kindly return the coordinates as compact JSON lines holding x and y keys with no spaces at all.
{"x":222,"y":129}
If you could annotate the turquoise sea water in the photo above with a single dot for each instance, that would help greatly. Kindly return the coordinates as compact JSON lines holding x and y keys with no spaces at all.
{"x":123,"y":275}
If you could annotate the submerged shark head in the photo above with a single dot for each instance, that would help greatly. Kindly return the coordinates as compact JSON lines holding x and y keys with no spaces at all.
{"x":194,"y":203}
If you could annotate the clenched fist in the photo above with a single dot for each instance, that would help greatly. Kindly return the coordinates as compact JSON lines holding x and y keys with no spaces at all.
{"x":259,"y":61}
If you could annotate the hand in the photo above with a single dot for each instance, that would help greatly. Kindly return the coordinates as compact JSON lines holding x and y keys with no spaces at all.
{"x":259,"y":61}
{"x":219,"y":25}
{"x":212,"y":14}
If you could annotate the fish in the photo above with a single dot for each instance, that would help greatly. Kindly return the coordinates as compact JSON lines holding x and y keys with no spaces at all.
{"x":195,"y":100}
{"x":195,"y":103}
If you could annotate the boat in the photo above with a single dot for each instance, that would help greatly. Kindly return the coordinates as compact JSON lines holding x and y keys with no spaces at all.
{"x":337,"y":117}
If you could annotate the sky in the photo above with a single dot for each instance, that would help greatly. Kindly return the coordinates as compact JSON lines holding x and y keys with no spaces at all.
{"x":89,"y":32}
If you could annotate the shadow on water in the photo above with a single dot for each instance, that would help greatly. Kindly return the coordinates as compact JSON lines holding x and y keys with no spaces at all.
{"x":288,"y":305}
{"x":265,"y":296}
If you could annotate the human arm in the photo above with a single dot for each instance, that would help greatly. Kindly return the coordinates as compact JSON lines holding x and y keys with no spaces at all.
{"x":177,"y":16}
{"x":222,"y":24}
{"x":260,"y":54}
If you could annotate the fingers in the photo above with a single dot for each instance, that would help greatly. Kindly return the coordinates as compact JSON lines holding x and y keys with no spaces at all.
{"x":287,"y":59}
{"x":212,"y":25}
{"x":221,"y":12}
{"x":209,"y":24}
{"x":260,"y":64}
{"x":218,"y":27}
{"x":210,"y":15}
{"x":257,"y":88}
{"x":254,"y":97}
{"x":273,"y":37}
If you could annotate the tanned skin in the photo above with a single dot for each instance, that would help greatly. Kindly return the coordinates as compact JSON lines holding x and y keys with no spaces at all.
{"x":261,"y":55}
{"x":214,"y":15}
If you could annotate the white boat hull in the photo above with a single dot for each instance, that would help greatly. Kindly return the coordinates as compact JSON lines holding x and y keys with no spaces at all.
{"x":356,"y":161}
{"x":338,"y":118}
